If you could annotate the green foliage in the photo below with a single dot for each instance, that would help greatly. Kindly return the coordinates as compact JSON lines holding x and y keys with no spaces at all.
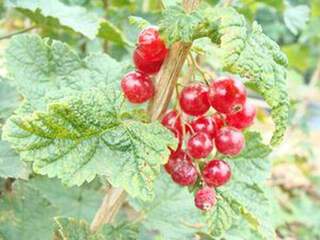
{"x":75,"y":202}
{"x":296,"y":18}
{"x":10,"y":163}
{"x":74,"y":17}
{"x":178,"y":25}
{"x":75,"y":132}
{"x":172,"y":211}
{"x":138,"y":22}
{"x":255,"y":57}
{"x":25,"y":215}
{"x":9,"y":100}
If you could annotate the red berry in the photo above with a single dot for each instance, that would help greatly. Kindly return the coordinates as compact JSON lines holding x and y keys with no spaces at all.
{"x":205,"y":198}
{"x":137,"y":87}
{"x":219,"y":120}
{"x":194,"y":100}
{"x":216,"y":173}
{"x":204,"y":124}
{"x":151,"y":46}
{"x":200,"y":145}
{"x":227,"y":94}
{"x":181,"y":168}
{"x":144,"y":65}
{"x":172,"y":121}
{"x":243,"y":118}
{"x":229,"y":141}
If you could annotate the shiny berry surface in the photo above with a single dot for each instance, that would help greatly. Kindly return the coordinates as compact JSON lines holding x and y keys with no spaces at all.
{"x":243,"y":118}
{"x":172,"y":121}
{"x":227,"y":95}
{"x":204,"y":124}
{"x":143,"y":64}
{"x":137,"y":87}
{"x":194,"y":100}
{"x":219,"y":120}
{"x":216,"y":173}
{"x":205,"y":198}
{"x":200,"y":145}
{"x":229,"y":141}
{"x":151,"y":46}
{"x":174,"y":158}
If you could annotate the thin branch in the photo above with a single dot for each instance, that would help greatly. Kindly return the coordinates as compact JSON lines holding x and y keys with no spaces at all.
{"x":17,"y":32}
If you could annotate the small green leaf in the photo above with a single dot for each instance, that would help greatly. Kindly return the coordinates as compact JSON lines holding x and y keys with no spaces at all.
{"x":296,"y":18}
{"x":139,"y":22}
{"x":178,"y":25}
{"x":110,"y":32}
{"x":25,"y":214}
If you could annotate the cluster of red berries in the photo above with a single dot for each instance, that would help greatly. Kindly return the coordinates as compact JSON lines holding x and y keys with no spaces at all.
{"x":148,"y":57}
{"x":227,"y":96}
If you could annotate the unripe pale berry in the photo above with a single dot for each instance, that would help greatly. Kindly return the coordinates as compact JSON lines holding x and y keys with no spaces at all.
{"x":137,"y":87}
{"x":181,"y":168}
{"x":216,"y":173}
{"x":194,"y":99}
{"x":227,"y":95}
{"x":205,"y":198}
{"x":229,"y":141}
{"x":243,"y":118}
{"x":200,"y":145}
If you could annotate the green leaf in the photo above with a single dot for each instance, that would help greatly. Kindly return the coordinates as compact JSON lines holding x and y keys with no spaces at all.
{"x":73,"y":17}
{"x":46,"y":70}
{"x":256,"y":58}
{"x":25,"y":214}
{"x":171,"y":213}
{"x":73,"y":229}
{"x":178,"y":25}
{"x":139,"y":22}
{"x":296,"y":18}
{"x":75,"y":202}
{"x":10,"y":163}
{"x":82,"y":136}
{"x":9,"y":100}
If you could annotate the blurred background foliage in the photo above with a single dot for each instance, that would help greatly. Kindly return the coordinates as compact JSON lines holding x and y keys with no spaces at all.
{"x":295,"y":179}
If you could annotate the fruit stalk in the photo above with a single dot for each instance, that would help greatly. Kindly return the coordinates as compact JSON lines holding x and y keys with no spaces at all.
{"x":165,"y":83}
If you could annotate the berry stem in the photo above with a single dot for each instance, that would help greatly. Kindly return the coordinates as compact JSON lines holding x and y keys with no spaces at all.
{"x":165,"y":83}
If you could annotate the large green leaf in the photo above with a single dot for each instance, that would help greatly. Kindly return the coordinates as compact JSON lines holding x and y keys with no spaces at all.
{"x":9,"y":100}
{"x":74,"y":17}
{"x":10,"y":163}
{"x":171,"y":213}
{"x":44,"y":70}
{"x":256,"y":58}
{"x":25,"y":215}
{"x":76,"y":202}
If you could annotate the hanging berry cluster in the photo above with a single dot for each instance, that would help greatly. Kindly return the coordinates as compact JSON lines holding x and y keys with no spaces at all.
{"x":198,"y":128}
{"x":148,"y":57}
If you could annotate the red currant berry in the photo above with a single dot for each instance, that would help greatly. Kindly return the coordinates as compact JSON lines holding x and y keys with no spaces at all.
{"x":194,"y":100}
{"x":219,"y":120}
{"x":227,"y":94}
{"x":142,"y":64}
{"x":137,"y":87}
{"x":151,"y":46}
{"x":200,"y":145}
{"x":172,"y":121}
{"x":243,"y":118}
{"x":204,"y":124}
{"x":216,"y":173}
{"x":229,"y":141}
{"x":181,"y":169}
{"x":205,"y":198}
